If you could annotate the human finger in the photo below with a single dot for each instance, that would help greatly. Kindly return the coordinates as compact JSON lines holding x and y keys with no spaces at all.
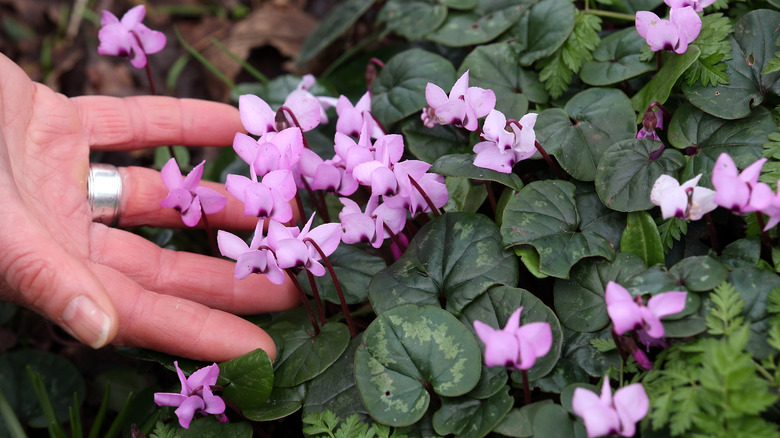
{"x":179,"y":326}
{"x":113,"y":123}
{"x":206,"y":280}
{"x":40,"y":274}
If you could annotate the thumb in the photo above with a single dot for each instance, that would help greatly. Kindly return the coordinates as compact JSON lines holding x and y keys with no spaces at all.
{"x":41,"y":275}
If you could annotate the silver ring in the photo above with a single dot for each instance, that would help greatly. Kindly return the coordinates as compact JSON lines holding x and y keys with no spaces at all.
{"x":104,"y":192}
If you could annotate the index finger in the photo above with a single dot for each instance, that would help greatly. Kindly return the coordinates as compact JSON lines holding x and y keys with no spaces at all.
{"x":113,"y":123}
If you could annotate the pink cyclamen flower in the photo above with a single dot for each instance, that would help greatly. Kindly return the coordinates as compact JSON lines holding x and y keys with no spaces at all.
{"x":628,"y":313}
{"x":501,"y":148}
{"x":697,"y":5}
{"x":610,"y":414}
{"x":196,"y":396}
{"x":272,"y":151}
{"x":293,"y":250}
{"x":269,"y":198}
{"x":653,"y":118}
{"x":351,"y":118}
{"x":462,"y":107}
{"x":325,"y":102}
{"x":250,"y":259}
{"x":767,"y":202}
{"x":674,"y":34}
{"x":186,"y":197}
{"x":734,"y":190}
{"x":686,"y":201}
{"x":129,"y":37}
{"x":515,"y":346}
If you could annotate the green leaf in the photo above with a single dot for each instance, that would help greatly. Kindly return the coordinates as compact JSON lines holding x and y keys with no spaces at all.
{"x":354,"y":268}
{"x":496,"y":306}
{"x":660,"y":86}
{"x":753,"y":47}
{"x":495,"y":67}
{"x":754,"y":286}
{"x":413,"y":19}
{"x":489,"y":19}
{"x":670,"y":230}
{"x":330,"y":27}
{"x":723,"y":317}
{"x":281,"y":403}
{"x":209,"y":427}
{"x":462,"y":165}
{"x":616,"y":59}
{"x":578,"y":348}
{"x":399,"y":90}
{"x":59,"y":378}
{"x":545,"y":28}
{"x":641,"y":237}
{"x":408,"y":350}
{"x":580,"y":133}
{"x":565,"y":373}
{"x":742,"y":139}
{"x":579,"y":301}
{"x":519,"y":422}
{"x":466,"y":195}
{"x":250,"y":379}
{"x":595,"y":217}
{"x":713,"y":41}
{"x":304,"y":356}
{"x":552,"y":421}
{"x":544,"y":215}
{"x":699,"y":273}
{"x":468,"y":417}
{"x":430,"y":144}
{"x":335,"y":390}
{"x":455,"y":257}
{"x":626,"y":173}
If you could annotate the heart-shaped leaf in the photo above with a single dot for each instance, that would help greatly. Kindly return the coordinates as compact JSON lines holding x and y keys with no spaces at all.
{"x":699,"y":274}
{"x":753,"y":46}
{"x":580,"y":133}
{"x":399,"y":90}
{"x":413,"y":19}
{"x":489,"y":19}
{"x":544,"y":28}
{"x":468,"y":417}
{"x":335,"y":389}
{"x":544,"y":215}
{"x":580,"y":301}
{"x":430,"y":144}
{"x":616,"y":59}
{"x":354,"y":269}
{"x":496,"y":306}
{"x":742,"y":139}
{"x":250,"y":379}
{"x":754,"y":286}
{"x":407,"y":351}
{"x":281,"y":403}
{"x":455,"y":257}
{"x":578,"y":348}
{"x":626,"y":173}
{"x":304,"y":356}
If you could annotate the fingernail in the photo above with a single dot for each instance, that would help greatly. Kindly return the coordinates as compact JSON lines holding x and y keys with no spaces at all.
{"x":87,"y":322}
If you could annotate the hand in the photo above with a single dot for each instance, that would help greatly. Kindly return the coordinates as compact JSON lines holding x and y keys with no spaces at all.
{"x":104,"y":284}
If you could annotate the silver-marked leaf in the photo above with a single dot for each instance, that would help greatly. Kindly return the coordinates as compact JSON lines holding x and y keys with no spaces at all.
{"x":489,"y":19}
{"x":580,"y":133}
{"x":408,"y":350}
{"x":496,"y":306}
{"x":399,"y":90}
{"x":462,"y":165}
{"x":544,"y":215}
{"x":544,"y":29}
{"x":699,"y":273}
{"x":466,"y":195}
{"x":753,"y":46}
{"x":626,"y":173}
{"x":455,"y":257}
{"x":495,"y":67}
{"x":616,"y":59}
{"x":305,"y":356}
{"x":579,"y":301}
{"x":468,"y":417}
{"x":595,"y":217}
{"x":742,"y":139}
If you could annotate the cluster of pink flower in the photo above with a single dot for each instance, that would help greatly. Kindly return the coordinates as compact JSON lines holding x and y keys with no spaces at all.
{"x":740,"y":192}
{"x":674,"y":34}
{"x":463,"y":107}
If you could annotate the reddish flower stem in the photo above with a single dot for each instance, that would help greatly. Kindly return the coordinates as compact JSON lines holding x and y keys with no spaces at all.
{"x":344,"y":307}
{"x":395,"y":238}
{"x":305,"y":301}
{"x":209,"y":233}
{"x":526,"y":388}
{"x":425,"y":196}
{"x":544,"y":153}
{"x":713,"y":233}
{"x":295,"y":122}
{"x":317,"y":300}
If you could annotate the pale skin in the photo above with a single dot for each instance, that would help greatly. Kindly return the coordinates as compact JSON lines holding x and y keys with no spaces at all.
{"x":106,"y":285}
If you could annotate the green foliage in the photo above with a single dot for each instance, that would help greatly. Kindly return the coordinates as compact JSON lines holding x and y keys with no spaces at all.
{"x":713,"y":41}
{"x":770,"y":173}
{"x":162,"y":430}
{"x":327,"y":424}
{"x":724,"y":316}
{"x":557,"y":69}
{"x":671,"y":230}
{"x":603,"y":345}
{"x":773,"y":66}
